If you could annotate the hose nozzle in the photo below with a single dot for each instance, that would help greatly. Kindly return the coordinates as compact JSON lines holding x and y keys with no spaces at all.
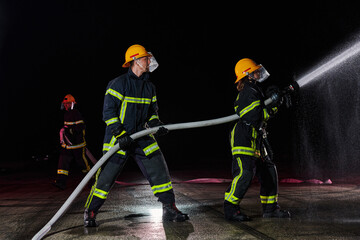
{"x":292,"y":88}
{"x":285,"y":93}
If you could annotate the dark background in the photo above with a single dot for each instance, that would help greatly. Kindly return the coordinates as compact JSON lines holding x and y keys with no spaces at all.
{"x":51,"y":48}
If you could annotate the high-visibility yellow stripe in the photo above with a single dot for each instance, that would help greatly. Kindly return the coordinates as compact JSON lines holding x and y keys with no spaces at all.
{"x":154,"y":117}
{"x":266,"y":114}
{"x":229,"y":196}
{"x":107,"y":146}
{"x":162,"y":187}
{"x":114,"y":93}
{"x":123,"y":111}
{"x":138,"y":100}
{"x":91,"y":195}
{"x":151,"y":148}
{"x":269,"y":199}
{"x":245,"y":151}
{"x":112,"y":120}
{"x":100,"y":193}
{"x":130,"y":99}
{"x":249,"y":108}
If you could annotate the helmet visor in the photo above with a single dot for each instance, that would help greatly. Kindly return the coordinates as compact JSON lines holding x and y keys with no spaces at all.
{"x":260,"y":74}
{"x":153,"y":63}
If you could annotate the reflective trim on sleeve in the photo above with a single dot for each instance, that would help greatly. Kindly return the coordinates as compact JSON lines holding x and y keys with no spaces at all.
{"x":154,"y":117}
{"x":112,"y":120}
{"x":249,"y":108}
{"x":114,"y":93}
{"x":151,"y":148}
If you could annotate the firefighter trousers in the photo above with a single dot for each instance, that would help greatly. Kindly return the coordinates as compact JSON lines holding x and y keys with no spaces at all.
{"x":65,"y":159}
{"x":154,"y":168}
{"x":243,"y":170}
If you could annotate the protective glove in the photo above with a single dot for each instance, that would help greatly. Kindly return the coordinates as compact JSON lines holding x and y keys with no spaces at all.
{"x":273,"y":92}
{"x":125,"y":141}
{"x":161,"y":132}
{"x":123,"y":138}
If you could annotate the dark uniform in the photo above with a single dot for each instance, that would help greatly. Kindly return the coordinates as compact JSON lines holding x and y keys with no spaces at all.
{"x":73,"y":146}
{"x":245,"y":147}
{"x":130,"y":103}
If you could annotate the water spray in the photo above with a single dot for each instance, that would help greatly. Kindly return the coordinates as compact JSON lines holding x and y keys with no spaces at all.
{"x":329,"y":65}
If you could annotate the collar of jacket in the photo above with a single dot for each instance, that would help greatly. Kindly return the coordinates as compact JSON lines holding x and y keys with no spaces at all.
{"x":255,"y":86}
{"x":143,"y":77}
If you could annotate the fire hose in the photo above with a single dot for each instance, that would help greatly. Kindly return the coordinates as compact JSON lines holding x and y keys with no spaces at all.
{"x":116,"y":148}
{"x":292,"y":88}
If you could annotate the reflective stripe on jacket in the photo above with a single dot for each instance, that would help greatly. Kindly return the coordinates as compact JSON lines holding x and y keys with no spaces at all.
{"x":130,"y":102}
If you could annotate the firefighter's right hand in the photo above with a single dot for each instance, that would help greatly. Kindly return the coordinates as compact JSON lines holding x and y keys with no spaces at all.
{"x":125,"y":141}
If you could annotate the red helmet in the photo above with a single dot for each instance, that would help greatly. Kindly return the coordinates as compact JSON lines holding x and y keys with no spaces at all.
{"x":68,"y":99}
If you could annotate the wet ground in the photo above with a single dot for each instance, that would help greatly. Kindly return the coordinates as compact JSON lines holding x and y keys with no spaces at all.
{"x":28,"y":201}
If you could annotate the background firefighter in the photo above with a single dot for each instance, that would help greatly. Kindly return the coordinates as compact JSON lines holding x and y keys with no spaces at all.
{"x":250,"y":153}
{"x":130,"y":104}
{"x":72,"y":140}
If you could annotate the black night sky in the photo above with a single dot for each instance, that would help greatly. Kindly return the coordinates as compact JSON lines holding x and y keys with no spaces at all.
{"x":51,"y":48}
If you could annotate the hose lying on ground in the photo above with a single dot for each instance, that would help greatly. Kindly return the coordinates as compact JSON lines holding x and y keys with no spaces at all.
{"x":116,"y":148}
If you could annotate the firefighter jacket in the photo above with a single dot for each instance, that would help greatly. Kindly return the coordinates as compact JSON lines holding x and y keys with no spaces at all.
{"x":72,"y":135}
{"x":249,"y":105}
{"x":130,"y":102}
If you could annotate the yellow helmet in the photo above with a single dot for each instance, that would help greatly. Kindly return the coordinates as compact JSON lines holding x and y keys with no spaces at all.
{"x":134,"y":52}
{"x":244,"y":67}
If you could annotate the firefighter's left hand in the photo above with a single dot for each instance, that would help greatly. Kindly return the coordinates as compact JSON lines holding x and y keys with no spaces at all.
{"x":161,"y":132}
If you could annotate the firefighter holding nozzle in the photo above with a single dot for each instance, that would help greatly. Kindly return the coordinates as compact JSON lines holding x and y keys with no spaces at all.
{"x":251,"y":151}
{"x":130,"y":105}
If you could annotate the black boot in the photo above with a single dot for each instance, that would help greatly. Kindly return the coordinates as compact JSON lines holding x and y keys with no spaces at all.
{"x":232,"y":213}
{"x":277,"y":213}
{"x":172,"y":214}
{"x":59,"y":184}
{"x":90,"y":219}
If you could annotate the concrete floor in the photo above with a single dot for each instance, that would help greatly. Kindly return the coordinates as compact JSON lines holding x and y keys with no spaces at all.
{"x":28,"y":202}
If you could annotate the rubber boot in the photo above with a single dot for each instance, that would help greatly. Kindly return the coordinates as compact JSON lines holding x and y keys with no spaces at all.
{"x":232,"y":213}
{"x":90,"y":218}
{"x":172,"y":214}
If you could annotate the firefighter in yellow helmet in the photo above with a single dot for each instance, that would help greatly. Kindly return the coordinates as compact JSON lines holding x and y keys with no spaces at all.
{"x":72,"y":140}
{"x":250,"y":149}
{"x":130,"y":104}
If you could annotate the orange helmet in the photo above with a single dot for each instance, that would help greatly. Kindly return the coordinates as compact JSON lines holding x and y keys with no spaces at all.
{"x":134,"y":52}
{"x":69,"y":99}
